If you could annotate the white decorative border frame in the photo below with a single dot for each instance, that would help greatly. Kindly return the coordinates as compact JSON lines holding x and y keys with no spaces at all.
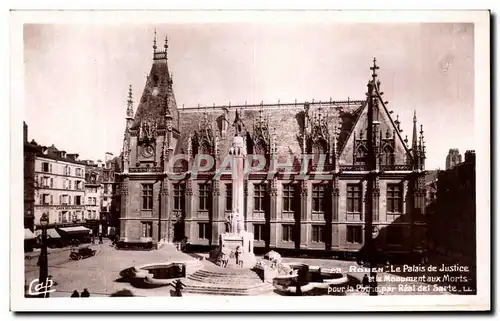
{"x":260,"y":303}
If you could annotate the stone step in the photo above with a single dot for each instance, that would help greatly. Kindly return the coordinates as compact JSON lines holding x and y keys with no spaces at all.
{"x":225,"y":281}
{"x":227,"y":274}
{"x":218,"y":290}
{"x":212,"y":277}
{"x":213,"y":280}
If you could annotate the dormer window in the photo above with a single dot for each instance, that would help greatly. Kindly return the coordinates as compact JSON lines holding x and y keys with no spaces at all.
{"x":361,"y":155}
{"x":318,"y":149}
{"x":387,"y":156}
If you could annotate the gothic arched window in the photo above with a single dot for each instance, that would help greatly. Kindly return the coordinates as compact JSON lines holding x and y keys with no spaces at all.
{"x":387,"y":156}
{"x":361,"y":155}
{"x":259,"y":148}
{"x":318,"y":149}
{"x":204,"y":149}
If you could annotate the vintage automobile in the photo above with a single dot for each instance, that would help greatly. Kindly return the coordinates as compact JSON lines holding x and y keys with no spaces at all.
{"x":83,"y":252}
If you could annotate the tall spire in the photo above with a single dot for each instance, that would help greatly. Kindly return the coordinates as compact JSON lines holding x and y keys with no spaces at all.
{"x":415,"y":137}
{"x":130,"y":103}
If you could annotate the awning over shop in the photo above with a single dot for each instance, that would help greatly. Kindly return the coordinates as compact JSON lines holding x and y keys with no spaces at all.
{"x":75,"y":230}
{"x":52,"y":233}
{"x":28,"y":235}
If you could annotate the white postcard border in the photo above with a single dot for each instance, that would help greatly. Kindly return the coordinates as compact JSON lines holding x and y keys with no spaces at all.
{"x":257,"y":303}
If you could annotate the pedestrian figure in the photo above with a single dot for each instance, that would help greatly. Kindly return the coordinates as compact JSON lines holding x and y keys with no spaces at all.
{"x":222,"y":259}
{"x":100,"y":238}
{"x":365,"y":281}
{"x":374,"y":285}
{"x":298,"y":290}
{"x":178,"y":287}
{"x":85,"y":293}
{"x":75,"y":294}
{"x":237,"y":256}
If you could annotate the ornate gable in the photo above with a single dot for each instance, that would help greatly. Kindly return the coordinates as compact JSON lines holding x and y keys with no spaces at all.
{"x":204,"y":137}
{"x":261,"y":138}
{"x":319,"y":129}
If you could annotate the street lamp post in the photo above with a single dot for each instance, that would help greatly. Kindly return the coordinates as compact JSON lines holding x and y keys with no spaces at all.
{"x":44,"y":221}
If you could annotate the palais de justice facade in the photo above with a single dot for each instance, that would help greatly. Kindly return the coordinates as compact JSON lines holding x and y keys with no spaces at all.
{"x":284,"y":212}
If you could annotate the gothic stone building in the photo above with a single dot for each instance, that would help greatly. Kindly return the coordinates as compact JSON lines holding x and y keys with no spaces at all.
{"x":283,"y":210}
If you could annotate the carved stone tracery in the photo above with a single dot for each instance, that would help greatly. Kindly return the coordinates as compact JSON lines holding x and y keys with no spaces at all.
{"x":260,"y":136}
{"x":204,"y":137}
{"x":148,"y":131}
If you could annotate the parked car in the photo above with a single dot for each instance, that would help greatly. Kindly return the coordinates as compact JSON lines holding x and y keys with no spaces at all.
{"x":81,"y":253}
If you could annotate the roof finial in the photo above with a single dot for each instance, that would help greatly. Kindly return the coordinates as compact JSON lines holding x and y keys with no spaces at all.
{"x":166,"y":44}
{"x":374,"y":69}
{"x":154,"y":42}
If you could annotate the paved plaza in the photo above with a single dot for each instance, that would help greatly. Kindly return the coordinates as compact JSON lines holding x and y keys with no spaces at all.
{"x":100,"y":273}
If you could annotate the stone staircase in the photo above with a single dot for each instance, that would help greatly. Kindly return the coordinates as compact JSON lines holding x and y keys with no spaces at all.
{"x":226,"y":281}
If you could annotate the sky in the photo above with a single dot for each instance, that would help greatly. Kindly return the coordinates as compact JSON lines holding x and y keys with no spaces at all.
{"x":77,"y":76}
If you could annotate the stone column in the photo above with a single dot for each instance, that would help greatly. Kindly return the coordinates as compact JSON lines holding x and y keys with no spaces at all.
{"x":188,"y":207}
{"x":300,"y":226}
{"x":165,"y":227}
{"x":124,"y":207}
{"x":238,"y":151}
{"x":376,"y":197}
{"x":273,"y":213}
{"x":335,"y":194}
{"x":215,"y":219}
{"x":335,"y":198}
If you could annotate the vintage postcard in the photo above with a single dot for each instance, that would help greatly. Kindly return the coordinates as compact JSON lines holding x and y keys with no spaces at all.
{"x":236,"y":160}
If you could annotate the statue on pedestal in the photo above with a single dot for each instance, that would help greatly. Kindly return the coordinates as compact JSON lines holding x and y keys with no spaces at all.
{"x":236,"y":225}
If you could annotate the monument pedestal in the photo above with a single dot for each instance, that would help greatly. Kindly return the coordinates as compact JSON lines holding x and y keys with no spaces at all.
{"x":229,"y":243}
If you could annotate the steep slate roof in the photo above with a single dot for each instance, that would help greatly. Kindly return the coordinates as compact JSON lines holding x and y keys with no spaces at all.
{"x":286,"y":119}
{"x":157,"y":96}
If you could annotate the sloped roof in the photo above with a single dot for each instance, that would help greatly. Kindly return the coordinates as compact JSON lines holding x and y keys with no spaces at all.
{"x":285,"y":119}
{"x":156,"y":97}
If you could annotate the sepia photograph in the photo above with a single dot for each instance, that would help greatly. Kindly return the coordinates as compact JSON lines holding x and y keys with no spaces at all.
{"x":250,"y":156}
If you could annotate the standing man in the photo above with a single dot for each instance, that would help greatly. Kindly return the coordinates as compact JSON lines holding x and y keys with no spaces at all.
{"x":237,"y":255}
{"x":178,"y":287}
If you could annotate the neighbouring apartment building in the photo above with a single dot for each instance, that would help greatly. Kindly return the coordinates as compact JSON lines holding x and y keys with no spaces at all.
{"x":70,"y":191}
{"x":60,"y":181}
{"x":110,"y":209}
{"x":93,"y":196}
{"x":282,"y":211}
